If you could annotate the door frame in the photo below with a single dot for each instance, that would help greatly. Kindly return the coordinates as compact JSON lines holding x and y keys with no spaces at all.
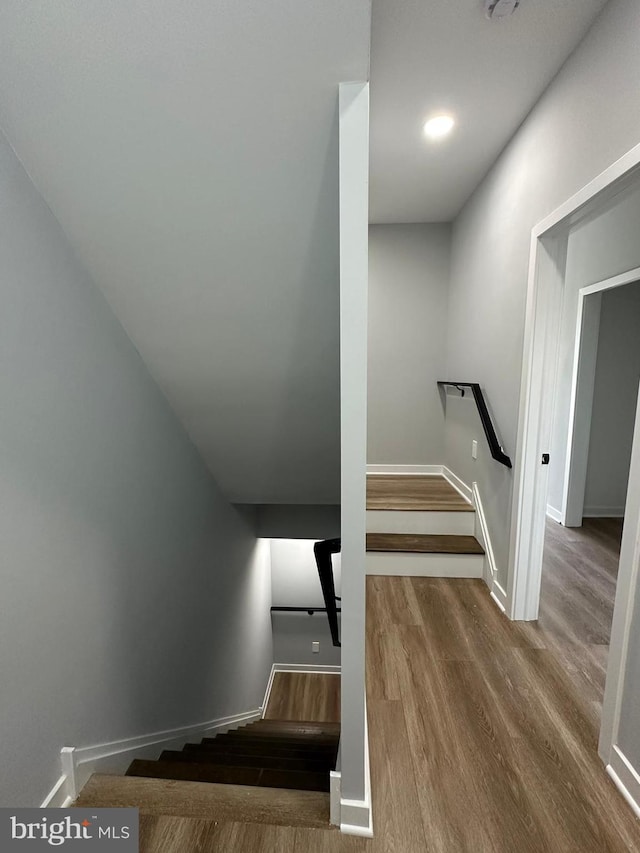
{"x":547,"y":260}
{"x":582,"y":390}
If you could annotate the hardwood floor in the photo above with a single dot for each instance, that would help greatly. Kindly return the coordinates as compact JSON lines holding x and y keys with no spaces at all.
{"x":479,"y":741}
{"x":414,"y":493}
{"x":313,"y":697}
{"x":422,"y":543}
{"x":579,"y":575}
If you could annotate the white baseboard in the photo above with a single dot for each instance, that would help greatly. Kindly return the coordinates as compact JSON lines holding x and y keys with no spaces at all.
{"x":458,"y":484}
{"x":554,"y":513}
{"x":416,"y":565}
{"x":356,"y":816}
{"x":310,"y":668}
{"x":625,"y":777}
{"x":335,"y":786}
{"x":603,"y":512}
{"x":499,"y":595}
{"x":78,"y":764}
{"x":406,"y":470}
{"x":484,"y":537}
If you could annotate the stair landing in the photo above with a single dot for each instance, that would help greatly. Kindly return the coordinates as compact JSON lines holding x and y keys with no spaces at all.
{"x":220,"y":803}
{"x":411,"y":493}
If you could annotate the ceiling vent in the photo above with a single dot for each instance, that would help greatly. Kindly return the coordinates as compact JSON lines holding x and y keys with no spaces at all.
{"x":500,"y":8}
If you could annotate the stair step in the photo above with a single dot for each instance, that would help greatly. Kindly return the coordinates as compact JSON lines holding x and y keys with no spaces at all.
{"x":250,"y":776}
{"x":294,"y":738}
{"x":277,"y":750}
{"x":292,"y":728}
{"x":414,"y":493}
{"x":423,"y":543}
{"x":278,"y":806}
{"x":204,"y":756}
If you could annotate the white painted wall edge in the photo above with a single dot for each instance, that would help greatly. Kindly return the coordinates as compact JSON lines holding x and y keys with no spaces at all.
{"x":295,"y":667}
{"x":406,"y":470}
{"x":78,"y":764}
{"x":626,"y":779}
{"x":554,"y":513}
{"x":356,"y":816}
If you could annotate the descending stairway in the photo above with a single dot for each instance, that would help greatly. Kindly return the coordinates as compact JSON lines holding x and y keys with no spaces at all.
{"x":420,"y":526}
{"x":270,"y":771}
{"x":269,"y":754}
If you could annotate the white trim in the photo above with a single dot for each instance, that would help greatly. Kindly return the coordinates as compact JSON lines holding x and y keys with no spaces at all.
{"x":582,"y":391}
{"x":415,"y":564}
{"x":554,"y":513}
{"x":547,"y":260}
{"x":421,"y":521}
{"x":497,"y":599}
{"x":583,"y":381}
{"x":78,"y":764}
{"x":406,"y":470}
{"x":267,"y":692}
{"x":483,"y":536}
{"x":603,"y":512}
{"x":626,"y":778}
{"x":57,"y":796}
{"x":335,"y":785}
{"x":356,"y":816}
{"x":459,"y":485}
{"x":627,"y":584}
{"x":499,"y":595}
{"x":309,"y":668}
{"x":604,"y":183}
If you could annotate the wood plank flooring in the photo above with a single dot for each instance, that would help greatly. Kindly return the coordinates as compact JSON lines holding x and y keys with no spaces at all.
{"x":479,"y":741}
{"x":424,"y":543}
{"x":312,"y":697}
{"x":392,"y":492}
{"x":579,"y":575}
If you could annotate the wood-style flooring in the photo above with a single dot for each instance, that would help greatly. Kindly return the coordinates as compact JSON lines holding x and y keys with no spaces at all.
{"x":423,"y":543}
{"x":312,"y":697}
{"x":579,"y":573}
{"x":479,"y":741}
{"x":389,"y":492}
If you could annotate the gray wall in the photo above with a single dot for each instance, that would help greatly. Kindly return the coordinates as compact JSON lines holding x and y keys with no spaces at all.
{"x":408,"y":285}
{"x":295,"y":583}
{"x":614,"y":401}
{"x":298,"y":521}
{"x":133,"y":597}
{"x":580,"y":126}
{"x":598,"y":248}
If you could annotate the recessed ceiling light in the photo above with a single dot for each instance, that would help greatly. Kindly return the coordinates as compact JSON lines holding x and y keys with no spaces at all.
{"x":439,"y":126}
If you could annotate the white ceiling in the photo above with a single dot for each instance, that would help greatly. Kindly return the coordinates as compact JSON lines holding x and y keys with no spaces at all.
{"x":189,"y":150}
{"x":444,"y":55}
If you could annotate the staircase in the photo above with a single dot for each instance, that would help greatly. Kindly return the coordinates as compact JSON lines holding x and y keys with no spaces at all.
{"x":270,"y":771}
{"x":420,"y":526}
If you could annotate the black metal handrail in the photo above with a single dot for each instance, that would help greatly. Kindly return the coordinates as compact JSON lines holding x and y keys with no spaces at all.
{"x":323,"y":552}
{"x":497,"y":451}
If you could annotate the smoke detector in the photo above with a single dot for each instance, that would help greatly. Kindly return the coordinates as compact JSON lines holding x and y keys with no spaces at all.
{"x":500,"y":8}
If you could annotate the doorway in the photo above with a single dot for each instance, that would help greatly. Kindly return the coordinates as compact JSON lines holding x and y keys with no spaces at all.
{"x":548,"y":293}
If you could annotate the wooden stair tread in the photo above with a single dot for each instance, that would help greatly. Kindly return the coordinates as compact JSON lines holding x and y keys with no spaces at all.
{"x":423,"y":543}
{"x":231,"y":775}
{"x":293,"y":728}
{"x":251,"y":746}
{"x":276,"y":762}
{"x":412,"y":493}
{"x":205,"y":800}
{"x":293,"y":740}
